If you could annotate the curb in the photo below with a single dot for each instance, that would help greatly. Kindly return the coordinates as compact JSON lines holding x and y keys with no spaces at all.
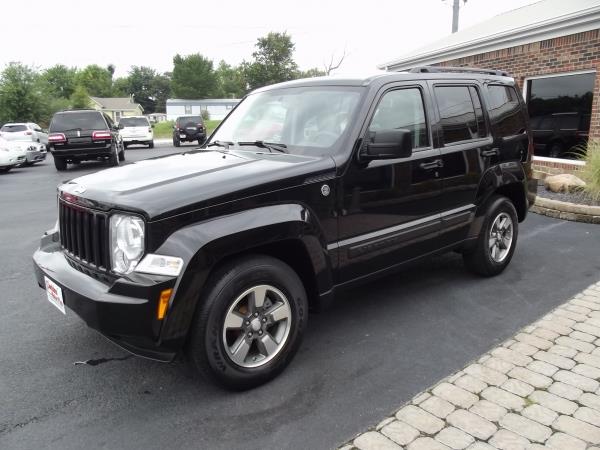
{"x":566,"y":211}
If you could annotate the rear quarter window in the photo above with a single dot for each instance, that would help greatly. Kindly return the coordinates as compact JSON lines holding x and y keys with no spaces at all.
{"x":505,"y":110}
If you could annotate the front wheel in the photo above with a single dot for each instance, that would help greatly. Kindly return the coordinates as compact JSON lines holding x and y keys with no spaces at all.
{"x":556,"y":150}
{"x":497,"y":240}
{"x":249,"y":323}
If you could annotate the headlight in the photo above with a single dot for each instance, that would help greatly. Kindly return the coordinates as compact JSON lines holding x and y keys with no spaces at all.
{"x":126,"y":242}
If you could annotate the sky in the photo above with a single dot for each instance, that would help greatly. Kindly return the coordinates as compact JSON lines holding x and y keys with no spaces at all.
{"x":125,"y":33}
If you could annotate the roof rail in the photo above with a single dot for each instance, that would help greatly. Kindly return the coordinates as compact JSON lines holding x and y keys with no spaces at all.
{"x":442,"y":69}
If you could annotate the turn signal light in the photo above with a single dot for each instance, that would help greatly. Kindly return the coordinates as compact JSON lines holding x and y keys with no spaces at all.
{"x":163,"y":303}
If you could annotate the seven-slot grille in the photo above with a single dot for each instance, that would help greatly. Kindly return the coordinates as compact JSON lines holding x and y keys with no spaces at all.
{"x":84,"y":234}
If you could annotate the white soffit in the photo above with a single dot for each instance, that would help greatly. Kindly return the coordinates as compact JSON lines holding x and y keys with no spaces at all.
{"x":545,"y":19}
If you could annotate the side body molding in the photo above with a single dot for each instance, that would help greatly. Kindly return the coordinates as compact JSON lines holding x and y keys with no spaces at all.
{"x":205,"y":244}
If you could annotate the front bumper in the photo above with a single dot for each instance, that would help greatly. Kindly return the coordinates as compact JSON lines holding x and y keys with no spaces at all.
{"x":122,"y":309}
{"x":35,"y":156}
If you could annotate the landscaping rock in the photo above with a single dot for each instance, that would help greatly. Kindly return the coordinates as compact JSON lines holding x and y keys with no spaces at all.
{"x":564,"y":183}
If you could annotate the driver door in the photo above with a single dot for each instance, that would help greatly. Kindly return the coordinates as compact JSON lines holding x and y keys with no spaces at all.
{"x":390,"y":211}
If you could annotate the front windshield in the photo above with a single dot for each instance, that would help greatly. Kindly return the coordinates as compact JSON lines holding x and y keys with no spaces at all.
{"x":308,"y":120}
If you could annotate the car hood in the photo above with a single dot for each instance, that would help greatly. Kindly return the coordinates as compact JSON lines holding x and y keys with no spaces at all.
{"x":165,"y":186}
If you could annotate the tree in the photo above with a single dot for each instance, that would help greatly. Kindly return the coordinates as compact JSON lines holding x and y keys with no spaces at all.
{"x":161,"y":86}
{"x":148,"y":88}
{"x":273,"y":61}
{"x":310,"y":73}
{"x":60,"y":80}
{"x":21,"y":99}
{"x":193,"y":77}
{"x":230,"y":81}
{"x":334,"y":65}
{"x":96,"y":80}
{"x":80,"y":98}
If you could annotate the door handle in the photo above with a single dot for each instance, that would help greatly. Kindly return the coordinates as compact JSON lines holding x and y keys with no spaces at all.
{"x":432,"y":165}
{"x":491,"y":152}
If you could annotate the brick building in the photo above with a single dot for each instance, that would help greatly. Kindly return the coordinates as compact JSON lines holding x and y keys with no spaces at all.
{"x":551,"y":48}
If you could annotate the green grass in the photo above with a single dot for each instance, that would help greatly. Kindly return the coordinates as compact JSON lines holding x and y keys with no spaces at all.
{"x":164,"y":130}
{"x":591,"y":172}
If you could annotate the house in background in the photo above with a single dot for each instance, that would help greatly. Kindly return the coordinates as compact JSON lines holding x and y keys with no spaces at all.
{"x":156,"y":117}
{"x":551,"y":48}
{"x":217,"y":108}
{"x":117,"y":107}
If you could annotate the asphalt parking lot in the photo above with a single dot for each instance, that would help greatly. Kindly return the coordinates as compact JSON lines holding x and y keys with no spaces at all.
{"x":373,"y":349}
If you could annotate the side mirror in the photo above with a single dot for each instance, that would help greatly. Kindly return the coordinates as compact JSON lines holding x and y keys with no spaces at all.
{"x":387,"y":144}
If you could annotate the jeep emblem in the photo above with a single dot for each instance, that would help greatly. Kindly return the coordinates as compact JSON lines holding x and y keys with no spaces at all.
{"x":325,"y":190}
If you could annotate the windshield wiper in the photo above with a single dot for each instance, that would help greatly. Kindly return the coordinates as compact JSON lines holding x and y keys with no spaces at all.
{"x":268,"y":145}
{"x":224,"y":144}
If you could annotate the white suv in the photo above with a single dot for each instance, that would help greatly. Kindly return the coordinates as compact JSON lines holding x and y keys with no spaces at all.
{"x":136,"y":130}
{"x":24,"y":131}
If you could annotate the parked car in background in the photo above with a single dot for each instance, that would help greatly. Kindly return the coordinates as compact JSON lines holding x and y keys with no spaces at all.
{"x":560,"y":135}
{"x":189,"y":129}
{"x":136,"y":130}
{"x":12,"y":154}
{"x":24,"y":131}
{"x":83,"y":135}
{"x":36,"y":152}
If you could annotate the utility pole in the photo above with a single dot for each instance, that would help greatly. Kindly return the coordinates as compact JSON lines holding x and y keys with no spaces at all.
{"x":455,"y":10}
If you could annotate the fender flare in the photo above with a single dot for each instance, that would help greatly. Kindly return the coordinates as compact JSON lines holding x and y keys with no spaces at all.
{"x":204,"y":244}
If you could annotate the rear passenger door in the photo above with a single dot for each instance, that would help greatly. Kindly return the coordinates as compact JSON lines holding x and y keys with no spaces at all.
{"x":466,"y":148}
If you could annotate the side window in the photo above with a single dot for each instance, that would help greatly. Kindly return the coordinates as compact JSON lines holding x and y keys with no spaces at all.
{"x":457,"y":114}
{"x":505,"y":111}
{"x":481,"y":125}
{"x":402,"y":108}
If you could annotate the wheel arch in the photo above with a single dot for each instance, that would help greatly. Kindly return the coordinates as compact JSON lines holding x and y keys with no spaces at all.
{"x":286,"y":232}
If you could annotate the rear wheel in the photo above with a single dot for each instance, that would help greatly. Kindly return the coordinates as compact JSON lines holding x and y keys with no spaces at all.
{"x":5,"y":169}
{"x":60,"y":163}
{"x":249,"y":322}
{"x":176,"y":142}
{"x":497,"y":240}
{"x":151,"y":144}
{"x":113,"y":159}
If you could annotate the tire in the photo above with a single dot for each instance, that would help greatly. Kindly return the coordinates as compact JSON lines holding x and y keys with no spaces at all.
{"x":151,"y":144}
{"x":60,"y":163}
{"x":125,"y":145}
{"x":5,"y":169}
{"x":201,"y":141}
{"x":113,"y":159}
{"x":176,"y":142}
{"x":490,"y":258}
{"x":122,"y":155}
{"x":556,"y":150}
{"x":210,"y":346}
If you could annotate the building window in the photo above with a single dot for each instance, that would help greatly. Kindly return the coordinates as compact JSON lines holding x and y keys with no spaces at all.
{"x":118,"y":115}
{"x":188,"y":109}
{"x":560,"y":109}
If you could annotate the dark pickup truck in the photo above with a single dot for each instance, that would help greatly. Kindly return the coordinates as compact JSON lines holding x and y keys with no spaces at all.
{"x":306,"y":189}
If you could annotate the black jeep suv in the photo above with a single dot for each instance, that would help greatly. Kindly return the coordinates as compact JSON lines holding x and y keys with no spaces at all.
{"x":306,"y":189}
{"x":82,"y":135}
{"x":189,"y":129}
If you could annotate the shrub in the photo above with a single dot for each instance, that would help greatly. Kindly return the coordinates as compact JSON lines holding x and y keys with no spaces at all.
{"x":205,"y":114}
{"x":591,"y":172}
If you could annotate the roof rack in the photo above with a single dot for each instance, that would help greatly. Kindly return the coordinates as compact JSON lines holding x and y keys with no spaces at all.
{"x":441,"y":69}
